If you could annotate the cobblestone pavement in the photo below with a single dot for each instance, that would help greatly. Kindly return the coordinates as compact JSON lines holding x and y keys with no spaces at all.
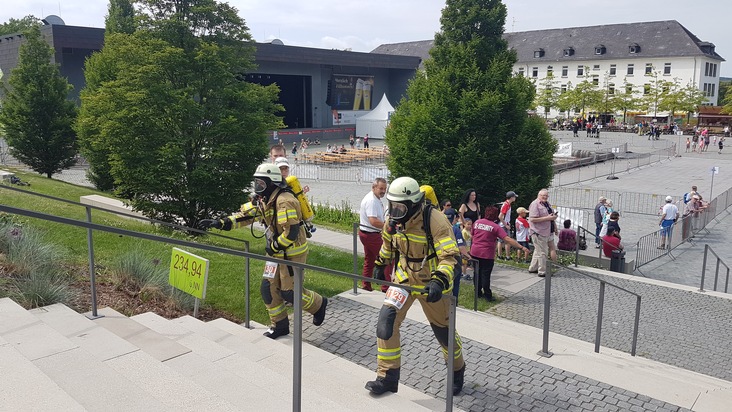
{"x":677,"y":327}
{"x":495,"y":380}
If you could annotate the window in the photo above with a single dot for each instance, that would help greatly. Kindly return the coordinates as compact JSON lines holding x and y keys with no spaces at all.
{"x":630,"y":69}
{"x":595,"y":80}
{"x":706,"y":69}
{"x":568,"y":52}
{"x":613,"y":70}
{"x":600,"y":49}
{"x":667,"y":68}
{"x":706,"y":89}
{"x":565,"y":69}
{"x":611,"y":88}
{"x":649,"y":68}
{"x":646,"y":89}
{"x":714,"y":70}
{"x":521,"y":71}
{"x":580,"y":70}
{"x":550,"y":71}
{"x":563,"y":88}
{"x":534,"y":72}
{"x":538,"y":53}
{"x":634,"y":48}
{"x":596,"y":67}
{"x":714,"y":89}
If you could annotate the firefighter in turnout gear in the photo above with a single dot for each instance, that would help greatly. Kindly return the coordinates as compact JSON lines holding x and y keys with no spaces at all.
{"x":285,"y":236}
{"x":422,"y":241}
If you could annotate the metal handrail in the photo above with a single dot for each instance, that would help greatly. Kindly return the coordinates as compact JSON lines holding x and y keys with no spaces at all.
{"x":600,"y":308}
{"x":708,"y":249}
{"x":600,"y":250}
{"x":297,"y":346}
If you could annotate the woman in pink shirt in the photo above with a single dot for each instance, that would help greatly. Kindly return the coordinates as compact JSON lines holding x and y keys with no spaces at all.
{"x":483,"y":248}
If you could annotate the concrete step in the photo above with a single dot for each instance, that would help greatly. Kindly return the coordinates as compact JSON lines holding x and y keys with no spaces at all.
{"x":152,"y":376}
{"x":228,"y":372}
{"x":81,"y":375}
{"x":27,"y":388}
{"x":323,"y":368}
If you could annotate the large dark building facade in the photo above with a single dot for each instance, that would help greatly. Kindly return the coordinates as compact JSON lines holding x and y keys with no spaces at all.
{"x":319,"y":88}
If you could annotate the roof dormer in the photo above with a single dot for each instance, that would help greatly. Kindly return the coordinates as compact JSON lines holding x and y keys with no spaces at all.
{"x":634,"y":48}
{"x":538,"y":53}
{"x":600,"y":49}
{"x":569,"y":51}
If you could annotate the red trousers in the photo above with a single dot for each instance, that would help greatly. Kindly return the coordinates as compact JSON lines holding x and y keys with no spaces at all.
{"x":371,"y":242}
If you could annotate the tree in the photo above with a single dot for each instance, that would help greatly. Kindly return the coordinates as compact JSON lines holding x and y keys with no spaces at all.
{"x":464,"y":123}
{"x":35,"y":114}
{"x":167,"y":110}
{"x":585,"y":95}
{"x":19,"y":25}
{"x":691,"y":99}
{"x":625,"y":99}
{"x":547,"y":94}
{"x":120,"y":17}
{"x":653,"y":92}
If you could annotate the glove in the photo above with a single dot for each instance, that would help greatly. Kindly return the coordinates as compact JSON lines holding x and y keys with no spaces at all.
{"x":379,"y":272}
{"x":208,"y":223}
{"x":434,"y":290}
{"x":391,"y":228}
{"x":272,"y":247}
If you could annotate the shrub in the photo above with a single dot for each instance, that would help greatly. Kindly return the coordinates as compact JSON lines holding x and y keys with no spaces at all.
{"x":27,"y":253}
{"x":41,"y":289}
{"x":341,"y":215}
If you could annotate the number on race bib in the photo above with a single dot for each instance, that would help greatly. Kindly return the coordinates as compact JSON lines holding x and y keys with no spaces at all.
{"x":270,"y":270}
{"x":396,"y":297}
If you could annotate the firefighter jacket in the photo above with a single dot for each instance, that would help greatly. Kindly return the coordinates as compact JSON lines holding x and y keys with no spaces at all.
{"x":280,"y":213}
{"x":417,"y":259}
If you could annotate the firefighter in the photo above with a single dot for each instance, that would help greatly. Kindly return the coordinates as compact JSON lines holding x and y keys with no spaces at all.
{"x":285,"y":235}
{"x":422,"y":240}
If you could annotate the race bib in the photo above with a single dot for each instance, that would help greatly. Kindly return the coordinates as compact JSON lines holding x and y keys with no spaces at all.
{"x":396,"y":297}
{"x":270,"y":270}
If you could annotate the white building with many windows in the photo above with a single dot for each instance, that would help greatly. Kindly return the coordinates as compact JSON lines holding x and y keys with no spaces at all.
{"x":609,"y":55}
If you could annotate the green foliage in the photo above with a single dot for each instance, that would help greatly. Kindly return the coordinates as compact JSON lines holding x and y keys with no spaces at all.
{"x":27,"y":252}
{"x":120,"y":17}
{"x":166,"y":119}
{"x":19,"y":25}
{"x":41,"y":289}
{"x":548,"y":95}
{"x":341,"y":216}
{"x":585,"y":96}
{"x":464,"y":123}
{"x":35,"y":114}
{"x":140,"y":268}
{"x":625,"y":98}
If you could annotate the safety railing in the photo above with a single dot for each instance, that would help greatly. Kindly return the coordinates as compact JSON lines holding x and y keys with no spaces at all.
{"x":719,"y":261}
{"x":600,"y":308}
{"x":298,"y":285}
{"x":598,"y":166}
{"x":354,"y":173}
{"x":582,"y":198}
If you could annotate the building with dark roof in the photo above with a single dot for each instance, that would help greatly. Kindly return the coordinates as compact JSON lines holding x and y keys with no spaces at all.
{"x":307,"y":77}
{"x":609,"y":55}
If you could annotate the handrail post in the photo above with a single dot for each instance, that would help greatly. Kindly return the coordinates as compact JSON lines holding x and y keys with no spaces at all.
{"x":355,"y":257}
{"x":547,"y":297}
{"x":247,"y":296}
{"x":704,"y":268}
{"x":635,"y":325}
{"x":92,"y":270}
{"x":600,"y":308}
{"x":297,"y":343}
{"x":476,"y":268}
{"x":726,"y":281}
{"x":576,"y":247}
{"x":450,"y":351}
{"x":716,"y":274}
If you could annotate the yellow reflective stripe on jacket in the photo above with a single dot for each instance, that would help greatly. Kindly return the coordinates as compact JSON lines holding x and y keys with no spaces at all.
{"x":293,"y":251}
{"x":385,"y":254}
{"x":386,"y":236}
{"x":411,"y":237}
{"x":401,"y":275}
{"x":445,"y":244}
{"x":284,"y":215}
{"x":388,"y":354}
{"x":284,"y":240}
{"x":448,"y":270}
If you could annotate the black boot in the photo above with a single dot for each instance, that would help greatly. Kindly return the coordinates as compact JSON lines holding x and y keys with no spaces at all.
{"x":389,"y":383}
{"x":280,"y":328}
{"x":319,"y":316}
{"x":458,"y":379}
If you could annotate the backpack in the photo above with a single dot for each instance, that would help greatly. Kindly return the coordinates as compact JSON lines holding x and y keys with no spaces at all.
{"x":687,"y":197}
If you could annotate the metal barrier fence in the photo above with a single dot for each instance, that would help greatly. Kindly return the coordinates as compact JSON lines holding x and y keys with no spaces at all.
{"x":708,"y":249}
{"x":586,"y":169}
{"x":297,"y":291}
{"x":358,"y":174}
{"x":683,"y":230}
{"x":624,"y":202}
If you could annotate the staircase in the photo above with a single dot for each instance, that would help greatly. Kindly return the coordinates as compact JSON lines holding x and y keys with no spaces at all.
{"x":53,"y":358}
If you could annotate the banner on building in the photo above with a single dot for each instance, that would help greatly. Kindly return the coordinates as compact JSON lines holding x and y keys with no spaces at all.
{"x":349,"y":92}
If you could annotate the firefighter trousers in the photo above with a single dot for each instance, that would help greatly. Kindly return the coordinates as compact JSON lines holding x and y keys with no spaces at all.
{"x":393,"y":312}
{"x":278,"y":291}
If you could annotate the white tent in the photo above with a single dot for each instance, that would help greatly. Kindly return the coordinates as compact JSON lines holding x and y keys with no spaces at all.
{"x":374,"y":122}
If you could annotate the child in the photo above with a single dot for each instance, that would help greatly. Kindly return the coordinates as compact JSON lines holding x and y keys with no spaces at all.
{"x":522,"y":232}
{"x":688,"y":144}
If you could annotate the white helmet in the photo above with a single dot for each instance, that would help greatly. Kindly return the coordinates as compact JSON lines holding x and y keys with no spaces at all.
{"x":405,"y":198}
{"x":267,"y":178}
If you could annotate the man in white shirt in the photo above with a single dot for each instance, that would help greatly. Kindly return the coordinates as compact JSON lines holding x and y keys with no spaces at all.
{"x":669,"y":212}
{"x":369,"y":232}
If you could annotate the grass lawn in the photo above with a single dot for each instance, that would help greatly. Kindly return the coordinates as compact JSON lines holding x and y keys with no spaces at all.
{"x":226,"y":282}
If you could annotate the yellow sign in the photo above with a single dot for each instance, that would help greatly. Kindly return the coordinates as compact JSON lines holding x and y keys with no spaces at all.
{"x":188,"y":273}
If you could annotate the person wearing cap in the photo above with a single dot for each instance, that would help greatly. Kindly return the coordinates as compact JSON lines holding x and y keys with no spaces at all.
{"x":600,"y":211}
{"x":522,"y":231}
{"x":371,"y":222}
{"x":504,"y":221}
{"x":669,"y":213}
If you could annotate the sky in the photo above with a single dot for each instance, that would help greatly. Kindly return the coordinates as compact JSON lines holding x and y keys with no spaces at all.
{"x":364,"y":25}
